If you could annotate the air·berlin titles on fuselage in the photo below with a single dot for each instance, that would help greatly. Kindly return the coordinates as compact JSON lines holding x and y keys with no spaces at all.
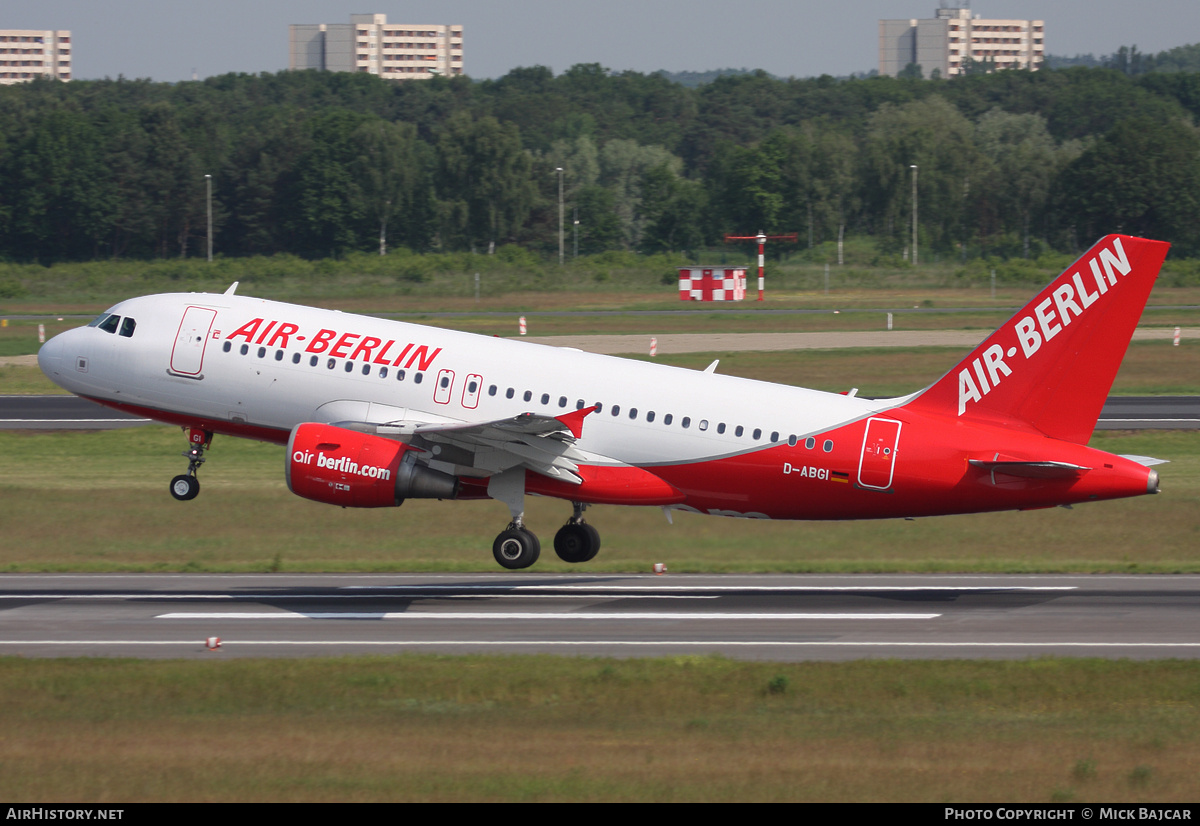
{"x":353,"y":346}
{"x":990,"y":367}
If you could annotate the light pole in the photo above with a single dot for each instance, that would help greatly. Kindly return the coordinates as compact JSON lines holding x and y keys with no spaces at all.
{"x":576,"y":232}
{"x":387,"y":207}
{"x":208,"y":186}
{"x":913,"y":167}
{"x":559,"y":170}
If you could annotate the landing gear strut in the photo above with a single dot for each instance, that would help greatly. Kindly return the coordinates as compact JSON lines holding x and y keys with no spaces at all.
{"x":577,"y":541}
{"x":517,"y":547}
{"x":186,"y":486}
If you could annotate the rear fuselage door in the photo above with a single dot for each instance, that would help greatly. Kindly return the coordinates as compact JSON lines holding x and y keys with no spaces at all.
{"x":878,"y":458}
{"x":187,"y":356}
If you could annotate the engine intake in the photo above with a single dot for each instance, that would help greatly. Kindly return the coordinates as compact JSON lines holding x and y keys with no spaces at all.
{"x":357,"y":470}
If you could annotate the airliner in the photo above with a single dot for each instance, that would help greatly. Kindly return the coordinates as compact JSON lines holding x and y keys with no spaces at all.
{"x":375,"y":411}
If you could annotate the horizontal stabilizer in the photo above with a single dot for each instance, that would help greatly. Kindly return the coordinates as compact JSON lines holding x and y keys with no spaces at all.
{"x":1145,"y":461}
{"x":1032,"y":470}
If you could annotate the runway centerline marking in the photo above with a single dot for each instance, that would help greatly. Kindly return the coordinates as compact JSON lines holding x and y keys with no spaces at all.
{"x":227,"y":642}
{"x":534,"y":615}
{"x":741,"y":588}
{"x":316,"y":596}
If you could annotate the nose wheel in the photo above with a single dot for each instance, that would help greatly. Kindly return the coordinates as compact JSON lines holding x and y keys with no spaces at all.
{"x":186,"y":486}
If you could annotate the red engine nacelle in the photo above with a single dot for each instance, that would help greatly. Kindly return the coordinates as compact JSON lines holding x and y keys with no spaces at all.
{"x":357,"y":470}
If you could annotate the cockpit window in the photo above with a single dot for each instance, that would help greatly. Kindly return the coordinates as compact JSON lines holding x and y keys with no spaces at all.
{"x":128,"y":326}
{"x":108,"y":322}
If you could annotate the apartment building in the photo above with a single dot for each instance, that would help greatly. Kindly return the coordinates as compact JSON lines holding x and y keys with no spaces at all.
{"x":954,"y":38}
{"x":368,"y":43}
{"x":26,"y":54}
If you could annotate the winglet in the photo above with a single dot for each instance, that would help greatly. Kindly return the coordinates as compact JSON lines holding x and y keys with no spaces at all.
{"x":574,"y":420}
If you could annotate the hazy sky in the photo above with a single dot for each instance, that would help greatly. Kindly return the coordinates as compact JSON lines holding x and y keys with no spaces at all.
{"x":170,"y":39}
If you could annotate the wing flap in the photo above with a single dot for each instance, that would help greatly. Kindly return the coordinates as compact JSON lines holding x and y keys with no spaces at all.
{"x":542,"y":444}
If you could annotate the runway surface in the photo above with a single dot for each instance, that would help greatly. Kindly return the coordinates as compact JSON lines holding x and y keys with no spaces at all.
{"x":761,"y":617}
{"x":73,"y":413}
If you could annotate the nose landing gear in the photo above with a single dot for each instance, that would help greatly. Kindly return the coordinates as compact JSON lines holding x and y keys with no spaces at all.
{"x":186,"y":486}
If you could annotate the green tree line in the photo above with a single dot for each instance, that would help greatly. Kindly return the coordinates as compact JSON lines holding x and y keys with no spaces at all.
{"x":321,"y":164}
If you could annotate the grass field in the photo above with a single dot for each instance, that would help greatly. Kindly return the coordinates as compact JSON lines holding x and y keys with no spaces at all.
{"x":441,"y":728}
{"x":98,"y":502}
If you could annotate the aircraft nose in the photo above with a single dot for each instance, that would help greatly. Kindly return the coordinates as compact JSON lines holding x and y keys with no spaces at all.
{"x":50,"y":356}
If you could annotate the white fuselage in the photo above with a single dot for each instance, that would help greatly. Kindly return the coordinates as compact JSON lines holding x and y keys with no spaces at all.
{"x":300,"y":364}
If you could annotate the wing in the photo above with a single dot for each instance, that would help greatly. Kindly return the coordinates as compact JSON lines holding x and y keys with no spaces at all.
{"x":543,"y":444}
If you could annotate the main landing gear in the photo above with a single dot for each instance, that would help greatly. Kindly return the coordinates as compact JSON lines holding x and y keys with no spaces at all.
{"x":186,"y":486}
{"x":577,"y":541}
{"x":517,"y":547}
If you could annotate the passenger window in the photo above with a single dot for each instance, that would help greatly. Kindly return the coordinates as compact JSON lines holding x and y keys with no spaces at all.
{"x":703,"y":424}
{"x":312,"y":362}
{"x":599,"y":407}
{"x":331,"y":363}
{"x":279,"y":355}
{"x":492,"y":390}
{"x":827,"y":446}
{"x":262,"y":352}
{"x":810,"y":443}
{"x":774,"y":435}
{"x":528,"y":395}
{"x":739,"y":431}
{"x":616,"y":409}
{"x":445,"y":381}
{"x":687,"y":421}
{"x":650,"y":416}
{"x":417,"y":378}
{"x":721,"y":427}
{"x":757,"y":433}
{"x":245,"y":348}
{"x":109,"y":325}
{"x":472,"y":386}
{"x":562,"y":401}
{"x":792,"y":440}
{"x":366,"y":371}
{"x":579,"y":404}
{"x":399,"y":375}
{"x":383,"y":372}
{"x":227,"y":346}
{"x":667,"y":418}
{"x":128,"y":326}
{"x":295,"y":358}
{"x":633,"y":412}
{"x":509,"y":393}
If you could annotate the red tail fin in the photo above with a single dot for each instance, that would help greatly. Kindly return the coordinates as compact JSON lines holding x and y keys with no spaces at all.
{"x":1052,"y":364}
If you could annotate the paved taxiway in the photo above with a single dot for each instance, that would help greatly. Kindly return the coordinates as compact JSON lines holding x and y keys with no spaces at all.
{"x":765,"y":617}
